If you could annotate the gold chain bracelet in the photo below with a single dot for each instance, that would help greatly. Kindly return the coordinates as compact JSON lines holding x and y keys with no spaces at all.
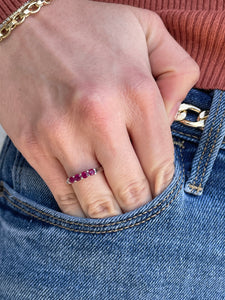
{"x":20,"y":15}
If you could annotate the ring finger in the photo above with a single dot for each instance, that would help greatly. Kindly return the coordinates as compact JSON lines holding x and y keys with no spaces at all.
{"x":93,"y":193}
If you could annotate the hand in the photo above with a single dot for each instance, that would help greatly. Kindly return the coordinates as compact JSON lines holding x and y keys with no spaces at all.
{"x":88,"y":84}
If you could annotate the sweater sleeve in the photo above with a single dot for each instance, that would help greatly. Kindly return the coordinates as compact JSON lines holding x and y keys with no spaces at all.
{"x":8,"y":7}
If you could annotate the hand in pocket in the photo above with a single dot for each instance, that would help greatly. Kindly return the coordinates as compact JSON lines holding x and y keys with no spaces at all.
{"x":91,"y":84}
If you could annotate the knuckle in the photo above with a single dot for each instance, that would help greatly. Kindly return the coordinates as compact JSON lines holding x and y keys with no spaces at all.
{"x":154,"y":17}
{"x":29,"y":141}
{"x":91,"y":106}
{"x":140,"y":82}
{"x":189,"y":68}
{"x":95,"y":111}
{"x":100,"y":208}
{"x":32,"y":145}
{"x":29,"y":144}
{"x":67,"y":201}
{"x":195,"y":71}
{"x":27,"y":136}
{"x":157,"y":19}
{"x":146,"y":90}
{"x":143,"y":92}
{"x":134,"y":194}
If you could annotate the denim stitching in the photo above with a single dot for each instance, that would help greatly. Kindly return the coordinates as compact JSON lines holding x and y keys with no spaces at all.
{"x":182,"y":157}
{"x":189,"y":135}
{"x":186,"y":134}
{"x":207,"y":141}
{"x":215,"y":140}
{"x":194,"y":187}
{"x":98,"y":232}
{"x":100,"y":225}
{"x":88,"y":225}
{"x":180,"y":144}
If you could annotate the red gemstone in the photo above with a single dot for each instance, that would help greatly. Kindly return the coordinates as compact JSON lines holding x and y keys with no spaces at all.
{"x":77,"y":177}
{"x":84,"y":174}
{"x":91,"y":172}
{"x":72,"y":179}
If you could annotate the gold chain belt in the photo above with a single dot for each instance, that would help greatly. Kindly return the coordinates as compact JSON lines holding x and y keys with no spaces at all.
{"x":202,"y":116}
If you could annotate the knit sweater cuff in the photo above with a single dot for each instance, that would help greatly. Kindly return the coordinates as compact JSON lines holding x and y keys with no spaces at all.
{"x":8,"y":7}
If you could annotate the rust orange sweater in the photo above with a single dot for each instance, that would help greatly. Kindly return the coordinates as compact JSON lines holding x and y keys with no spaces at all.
{"x":197,"y":25}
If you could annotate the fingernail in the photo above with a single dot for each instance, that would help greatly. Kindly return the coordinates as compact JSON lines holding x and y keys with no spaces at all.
{"x":163,"y":180}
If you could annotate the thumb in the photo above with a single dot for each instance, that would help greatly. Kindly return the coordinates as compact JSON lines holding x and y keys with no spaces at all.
{"x":174,"y":70}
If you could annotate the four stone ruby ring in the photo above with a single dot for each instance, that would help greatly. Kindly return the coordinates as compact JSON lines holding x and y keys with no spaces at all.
{"x":83,"y":175}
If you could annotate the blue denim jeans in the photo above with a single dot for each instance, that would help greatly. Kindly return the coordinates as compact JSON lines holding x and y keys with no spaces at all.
{"x":171,"y":248}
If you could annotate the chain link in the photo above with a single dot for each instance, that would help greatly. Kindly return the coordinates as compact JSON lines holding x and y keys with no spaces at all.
{"x":201,"y":116}
{"x":20,"y":15}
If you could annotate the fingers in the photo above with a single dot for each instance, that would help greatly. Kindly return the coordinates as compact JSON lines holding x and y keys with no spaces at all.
{"x":123,"y":171}
{"x":151,"y":136}
{"x":134,"y":171}
{"x":96,"y":197}
{"x":123,"y":185}
{"x":54,"y":175}
{"x":100,"y":138}
{"x":174,"y":70}
{"x":91,"y":197}
{"x":79,"y":133}
{"x":93,"y":193}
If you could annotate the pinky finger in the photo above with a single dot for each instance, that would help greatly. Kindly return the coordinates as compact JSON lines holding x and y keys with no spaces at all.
{"x":54,"y":175}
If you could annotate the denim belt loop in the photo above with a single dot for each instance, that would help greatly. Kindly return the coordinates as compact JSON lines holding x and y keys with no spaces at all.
{"x":209,"y":145}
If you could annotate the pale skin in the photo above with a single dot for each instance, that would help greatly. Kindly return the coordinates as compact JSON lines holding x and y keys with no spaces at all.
{"x":88,"y":84}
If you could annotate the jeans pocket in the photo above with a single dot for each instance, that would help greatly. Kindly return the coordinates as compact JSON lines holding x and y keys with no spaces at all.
{"x":30,"y":208}
{"x":56,"y":256}
{"x":153,"y":252}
